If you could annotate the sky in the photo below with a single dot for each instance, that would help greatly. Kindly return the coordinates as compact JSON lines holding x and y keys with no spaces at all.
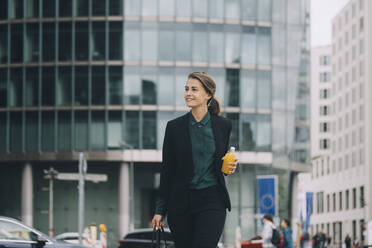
{"x":322,"y":12}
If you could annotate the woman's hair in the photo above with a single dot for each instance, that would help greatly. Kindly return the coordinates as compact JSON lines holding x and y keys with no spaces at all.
{"x":287,"y":222}
{"x":269,"y":217}
{"x":209,"y":85}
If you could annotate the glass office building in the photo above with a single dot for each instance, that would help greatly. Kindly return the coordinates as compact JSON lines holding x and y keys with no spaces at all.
{"x":83,"y":75}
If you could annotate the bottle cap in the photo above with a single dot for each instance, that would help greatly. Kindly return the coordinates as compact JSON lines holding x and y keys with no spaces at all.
{"x":232,"y":149}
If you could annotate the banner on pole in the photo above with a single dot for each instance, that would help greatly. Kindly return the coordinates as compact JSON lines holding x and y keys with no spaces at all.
{"x":309,"y":208}
{"x":267,"y":194}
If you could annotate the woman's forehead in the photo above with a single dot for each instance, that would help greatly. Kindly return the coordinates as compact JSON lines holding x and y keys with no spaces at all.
{"x":193,"y":82}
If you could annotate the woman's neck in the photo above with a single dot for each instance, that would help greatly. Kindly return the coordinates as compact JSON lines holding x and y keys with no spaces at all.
{"x":199,"y":112}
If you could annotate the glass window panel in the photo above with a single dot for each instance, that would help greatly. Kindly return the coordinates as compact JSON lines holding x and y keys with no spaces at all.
{"x":114,"y":130}
{"x":264,"y":10}
{"x":263,"y":89}
{"x":16,"y":41}
{"x":32,"y":43}
{"x":232,"y":87}
{"x":263,"y":133}
{"x":166,"y":8}
{"x":166,"y":45}
{"x":132,"y":85}
{"x":132,"y":49}
{"x":132,"y":7}
{"x":279,"y":89}
{"x":149,"y":8}
{"x":248,"y":92}
{"x":131,"y":133}
{"x":293,"y":11}
{"x":200,"y":49}
{"x":264,"y":46}
{"x":149,"y":42}
{"x":115,"y":85}
{"x":98,"y":41}
{"x":183,"y":46}
{"x":181,"y":78}
{"x":279,"y":11}
{"x":183,"y":8}
{"x":232,"y":48}
{"x":48,"y":80}
{"x":81,"y":7}
{"x":3,"y":132}
{"x":64,"y":86}
{"x":116,"y":41}
{"x":65,"y":41}
{"x":3,"y":82}
{"x":65,"y":8}
{"x":15,"y":90}
{"x":234,"y":138}
{"x":279,"y":46}
{"x":97,"y":130}
{"x":216,"y":9}
{"x":4,"y":10}
{"x":32,"y":8}
{"x":49,"y":8}
{"x":32,"y":86}
{"x":166,"y":86}
{"x":279,"y":133}
{"x":149,"y":79}
{"x":3,"y":44}
{"x":200,"y":8}
{"x":163,"y":118}
{"x":98,"y":85}
{"x":16,"y":9}
{"x":81,"y":86}
{"x":81,"y":130}
{"x":249,"y":132}
{"x":249,"y":46}
{"x":232,"y":9}
{"x":47,"y":130}
{"x":15,"y":132}
{"x":64,"y":130}
{"x":115,"y":7}
{"x":149,"y":130}
{"x":216,"y":51}
{"x":81,"y":41}
{"x":249,"y":10}
{"x":98,"y":7}
{"x":48,"y":44}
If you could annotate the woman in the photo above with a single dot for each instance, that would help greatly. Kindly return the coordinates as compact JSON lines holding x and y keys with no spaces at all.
{"x":192,"y":188}
{"x":267,"y":231}
{"x":287,"y":233}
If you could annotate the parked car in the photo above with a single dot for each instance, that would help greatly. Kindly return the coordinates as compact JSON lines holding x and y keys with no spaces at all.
{"x":14,"y":233}
{"x":141,"y":238}
{"x":256,"y":242}
{"x":69,"y":237}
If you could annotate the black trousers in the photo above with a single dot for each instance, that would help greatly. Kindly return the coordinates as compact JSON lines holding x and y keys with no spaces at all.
{"x":202,"y":224}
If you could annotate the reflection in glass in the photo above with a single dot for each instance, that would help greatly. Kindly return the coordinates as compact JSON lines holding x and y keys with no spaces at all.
{"x":216,"y":9}
{"x":264,"y":46}
{"x":15,"y":132}
{"x":232,"y":9}
{"x":149,"y":8}
{"x":149,"y":86}
{"x":16,"y":9}
{"x":3,"y":141}
{"x":264,"y":10}
{"x":278,"y":88}
{"x":116,"y":41}
{"x":64,"y":130}
{"x":48,"y":44}
{"x":183,"y":8}
{"x":97,"y":131}
{"x":166,"y":45}
{"x":98,"y":41}
{"x":249,"y":131}
{"x":132,"y":7}
{"x":81,"y":85}
{"x":248,"y":91}
{"x":31,"y":131}
{"x":149,"y":130}
{"x":64,"y":86}
{"x":98,"y":7}
{"x":16,"y":39}
{"x":249,"y":10}
{"x":166,"y":8}
{"x":15,"y":90}
{"x":3,"y":44}
{"x":279,"y":46}
{"x":32,"y":86}
{"x":132,"y":43}
{"x":81,"y":7}
{"x":4,"y":10}
{"x":200,"y":8}
{"x":3,"y":93}
{"x":81,"y":130}
{"x":47,"y":130}
{"x":132,"y":85}
{"x":114,"y":130}
{"x":49,"y":8}
{"x":181,"y":78}
{"x":65,"y":8}
{"x":183,"y":46}
{"x":81,"y":41}
{"x":232,"y":48}
{"x":115,"y":7}
{"x":65,"y":41}
{"x":279,"y":134}
{"x":263,"y":133}
{"x":166,"y":86}
{"x":249,"y":46}
{"x":216,"y":51}
{"x":115,"y":85}
{"x":47,"y":86}
{"x":232,"y":87}
{"x":200,"y":49}
{"x":149,"y":43}
{"x":234,"y":138}
{"x":32,"y":8}
{"x":32,"y":42}
{"x":163,"y":118}
{"x":98,"y":85}
{"x":131,"y":128}
{"x":264,"y":89}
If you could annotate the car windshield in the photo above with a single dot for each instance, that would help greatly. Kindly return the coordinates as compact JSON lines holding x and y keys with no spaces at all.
{"x":13,"y":231}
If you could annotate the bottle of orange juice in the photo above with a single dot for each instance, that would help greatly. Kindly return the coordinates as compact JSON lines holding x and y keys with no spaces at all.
{"x":229,"y":157}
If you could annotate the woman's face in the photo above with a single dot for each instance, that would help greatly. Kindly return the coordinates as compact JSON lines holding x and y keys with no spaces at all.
{"x":195,"y":94}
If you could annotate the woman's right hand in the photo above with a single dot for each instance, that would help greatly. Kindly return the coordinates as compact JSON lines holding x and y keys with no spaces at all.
{"x":156,"y":221}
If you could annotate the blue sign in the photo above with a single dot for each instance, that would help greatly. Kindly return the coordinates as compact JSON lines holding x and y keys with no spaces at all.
{"x":309,"y":208}
{"x":267,"y":194}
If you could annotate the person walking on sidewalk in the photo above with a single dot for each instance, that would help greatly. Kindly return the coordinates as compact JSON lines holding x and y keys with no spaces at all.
{"x":287,"y":234}
{"x":267,"y":232}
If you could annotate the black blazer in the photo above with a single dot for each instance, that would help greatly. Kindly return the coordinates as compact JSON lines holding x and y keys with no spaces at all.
{"x":178,"y":166}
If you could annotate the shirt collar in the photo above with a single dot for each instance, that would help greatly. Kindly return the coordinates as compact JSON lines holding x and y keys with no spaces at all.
{"x":203,"y":122}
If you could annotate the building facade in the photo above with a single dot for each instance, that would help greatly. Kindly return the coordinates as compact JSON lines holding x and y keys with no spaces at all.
{"x":85,"y":75}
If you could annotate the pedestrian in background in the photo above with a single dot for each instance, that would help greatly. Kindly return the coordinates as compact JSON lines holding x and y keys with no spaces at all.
{"x":267,"y":231}
{"x":356,"y":242}
{"x":347,"y":241}
{"x":287,"y":234}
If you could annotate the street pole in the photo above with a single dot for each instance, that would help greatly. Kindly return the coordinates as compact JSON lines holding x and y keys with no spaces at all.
{"x":82,"y":171}
{"x":51,"y":207}
{"x":131,"y":175}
